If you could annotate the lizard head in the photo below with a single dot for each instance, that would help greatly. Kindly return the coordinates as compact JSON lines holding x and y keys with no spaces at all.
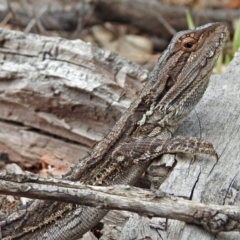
{"x":182,"y":74}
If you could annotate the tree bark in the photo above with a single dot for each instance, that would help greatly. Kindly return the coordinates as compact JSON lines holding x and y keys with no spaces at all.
{"x":25,"y":60}
{"x":214,"y":218}
{"x":58,"y":97}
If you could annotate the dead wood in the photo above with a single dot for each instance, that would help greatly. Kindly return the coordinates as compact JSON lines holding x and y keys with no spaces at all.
{"x":58,"y":97}
{"x":214,"y":218}
{"x":215,"y":119}
{"x":152,"y":16}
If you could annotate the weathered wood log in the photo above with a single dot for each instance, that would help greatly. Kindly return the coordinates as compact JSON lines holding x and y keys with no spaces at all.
{"x":152,"y":16}
{"x":215,"y":119}
{"x":58,"y":97}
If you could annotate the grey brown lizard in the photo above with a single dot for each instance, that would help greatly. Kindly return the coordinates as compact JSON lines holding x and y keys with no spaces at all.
{"x":142,"y":135}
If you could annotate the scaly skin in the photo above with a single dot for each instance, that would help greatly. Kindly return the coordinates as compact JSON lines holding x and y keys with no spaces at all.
{"x":141,"y":136}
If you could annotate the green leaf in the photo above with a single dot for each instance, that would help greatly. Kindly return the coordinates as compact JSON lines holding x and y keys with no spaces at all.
{"x":219,"y":63}
{"x":228,"y":59}
{"x":190,"y":22}
{"x":236,"y":38}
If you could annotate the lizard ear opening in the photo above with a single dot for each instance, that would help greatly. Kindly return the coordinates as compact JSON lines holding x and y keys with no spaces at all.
{"x":170,"y":82}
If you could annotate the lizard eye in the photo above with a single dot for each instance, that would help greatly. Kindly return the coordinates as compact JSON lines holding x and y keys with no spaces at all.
{"x":188,"y":43}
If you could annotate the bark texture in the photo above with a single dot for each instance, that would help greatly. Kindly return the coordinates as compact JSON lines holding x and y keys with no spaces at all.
{"x":58,"y":97}
{"x":214,"y":218}
{"x":42,"y":79}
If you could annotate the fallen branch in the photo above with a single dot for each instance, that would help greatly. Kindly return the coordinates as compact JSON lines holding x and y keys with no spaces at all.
{"x":214,"y":218}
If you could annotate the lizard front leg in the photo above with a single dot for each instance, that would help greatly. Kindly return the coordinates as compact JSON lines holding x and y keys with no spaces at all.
{"x":151,"y":149}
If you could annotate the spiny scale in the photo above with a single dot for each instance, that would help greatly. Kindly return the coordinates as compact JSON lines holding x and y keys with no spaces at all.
{"x":141,"y":136}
